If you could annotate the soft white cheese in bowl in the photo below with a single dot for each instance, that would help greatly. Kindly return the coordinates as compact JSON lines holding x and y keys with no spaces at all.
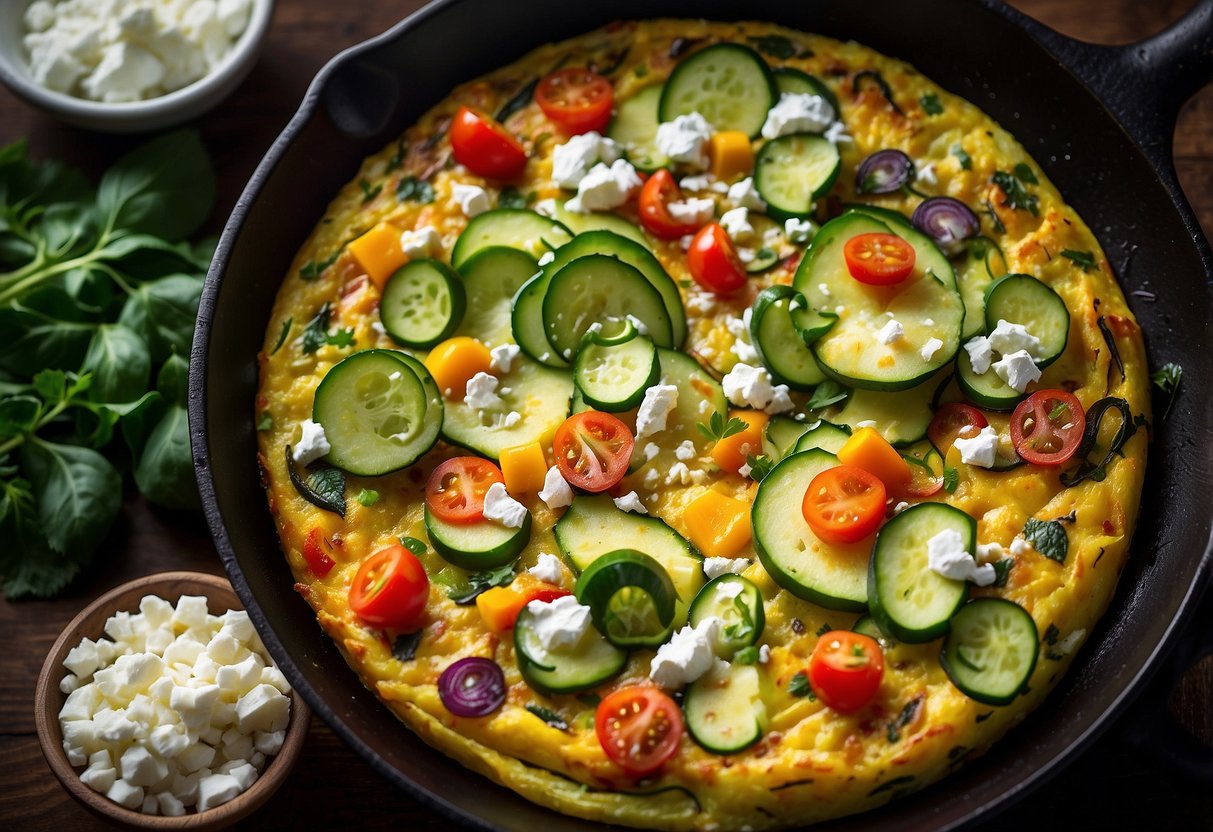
{"x":129,"y":65}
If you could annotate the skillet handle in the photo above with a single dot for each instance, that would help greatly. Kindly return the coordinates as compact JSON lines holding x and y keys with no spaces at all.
{"x":1145,"y":84}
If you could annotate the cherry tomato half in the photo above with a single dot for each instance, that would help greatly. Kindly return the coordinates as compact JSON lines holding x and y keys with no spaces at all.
{"x":879,"y":259}
{"x":844,"y":504}
{"x":390,"y":590}
{"x":952,"y":421}
{"x":658,"y":192}
{"x":1047,"y":427}
{"x":455,"y":491}
{"x":639,"y":728}
{"x":576,"y":99}
{"x":845,"y":670}
{"x":713,"y":261}
{"x":592,"y":450}
{"x":485,"y":147}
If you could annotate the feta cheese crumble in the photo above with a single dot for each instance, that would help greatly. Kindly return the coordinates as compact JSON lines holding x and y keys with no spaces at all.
{"x":655,"y":409}
{"x":1007,"y":338}
{"x":471,"y":199}
{"x":750,"y":386}
{"x":699,"y":182}
{"x":572,"y":160}
{"x":559,"y":624}
{"x":630,"y":502}
{"x":685,"y":140}
{"x":312,"y":444}
{"x":714,"y":567}
{"x":798,"y":231}
{"x":481,"y":392}
{"x":500,"y":507}
{"x":556,"y":492}
{"x":946,"y":556}
{"x":693,"y":211}
{"x":745,"y":195}
{"x":979,"y":450}
{"x":604,"y":188}
{"x":687,"y":655}
{"x":685,"y":452}
{"x":1017,"y":369}
{"x":980,"y":353}
{"x":421,"y":242}
{"x":736,"y":223}
{"x":501,"y":357}
{"x":798,"y":112}
{"x":547,"y":568}
{"x":932,"y":346}
{"x":891,"y":332}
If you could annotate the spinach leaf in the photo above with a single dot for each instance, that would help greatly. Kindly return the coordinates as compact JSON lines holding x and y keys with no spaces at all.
{"x":165,"y":188}
{"x":1085,"y":260}
{"x":479,"y":582}
{"x":77,"y":493}
{"x":44,"y":329}
{"x":323,"y":487}
{"x":163,"y":312}
{"x":1047,"y":537}
{"x":164,"y":469}
{"x":119,"y":362}
{"x":777,"y":46}
{"x":404,"y":648}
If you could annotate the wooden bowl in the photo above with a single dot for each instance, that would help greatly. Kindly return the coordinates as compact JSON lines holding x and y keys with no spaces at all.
{"x":90,"y":623}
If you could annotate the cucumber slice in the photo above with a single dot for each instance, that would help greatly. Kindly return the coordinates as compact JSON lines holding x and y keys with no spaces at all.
{"x":982,"y":264}
{"x":511,"y":227}
{"x":867,"y":626}
{"x":832,"y":575}
{"x":728,"y":84}
{"x":824,"y":435}
{"x":612,"y":374}
{"x":851,"y":351}
{"x":987,"y":390}
{"x":631,"y":598}
{"x":593,"y":661}
{"x":991,"y":650}
{"x":600,"y":289}
{"x":910,"y":602}
{"x":780,"y":435}
{"x":901,"y":418}
{"x":422,"y":303}
{"x":778,"y":340}
{"x":695,"y":386}
{"x":1022,"y":299}
{"x":635,"y":128}
{"x":635,"y":255}
{"x":580,"y":223}
{"x":927,"y":256}
{"x":792,"y":80}
{"x":539,"y":394}
{"x":376,"y":413}
{"x":492,"y":277}
{"x":476,"y":546}
{"x":724,"y":708}
{"x":435,"y":407}
{"x":793,"y":171}
{"x":526,"y":322}
{"x":737,"y":602}
{"x":592,"y":526}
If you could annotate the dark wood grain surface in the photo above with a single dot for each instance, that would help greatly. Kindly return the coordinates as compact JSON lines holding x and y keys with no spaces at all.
{"x":1110,"y":787}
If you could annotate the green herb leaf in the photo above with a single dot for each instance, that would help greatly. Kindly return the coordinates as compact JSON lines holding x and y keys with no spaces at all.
{"x":717,"y":429}
{"x":119,"y":362}
{"x":369,"y":191}
{"x":479,"y":582}
{"x":315,"y":334}
{"x":1084,"y":259}
{"x":77,"y":493}
{"x":397,"y":159}
{"x":1024,"y":174}
{"x":641,"y":70}
{"x":1096,"y":413}
{"x":511,"y":197}
{"x":413,"y":545}
{"x":265,"y":421}
{"x":823,"y":629}
{"x":827,"y":393}
{"x":931,"y":104}
{"x":282,"y":333}
{"x":163,"y":312}
{"x":1002,"y":571}
{"x":799,"y":686}
{"x":746,"y":655}
{"x":517,"y":101}
{"x":1018,"y":198}
{"x":760,"y":466}
{"x":951,"y":479}
{"x":1051,"y":634}
{"x":312,"y":269}
{"x":548,"y":716}
{"x":777,"y":46}
{"x":908,"y":713}
{"x":412,"y":189}
{"x":1167,"y":379}
{"x":367,"y":497}
{"x":340,"y":338}
{"x":404,"y":648}
{"x":966,"y":161}
{"x":1047,"y":537}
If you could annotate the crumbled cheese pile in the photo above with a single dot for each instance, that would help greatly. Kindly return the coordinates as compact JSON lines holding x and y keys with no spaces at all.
{"x":119,"y":51}
{"x":180,"y":709}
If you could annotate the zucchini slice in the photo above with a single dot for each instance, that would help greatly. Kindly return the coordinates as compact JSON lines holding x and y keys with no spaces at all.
{"x":593,"y":661}
{"x":511,"y":227}
{"x":780,"y":435}
{"x":476,"y":546}
{"x":737,"y":602}
{"x":724,"y":708}
{"x":983,"y":263}
{"x":612,"y":374}
{"x":492,"y":277}
{"x":778,"y":340}
{"x":526,"y":322}
{"x":631,"y":598}
{"x":422,"y":304}
{"x":728,"y":84}
{"x":991,"y":650}
{"x":793,"y":171}
{"x":788,"y":79}
{"x":987,"y":390}
{"x":580,"y":223}
{"x":928,"y":256}
{"x":827,"y":436}
{"x":901,"y":418}
{"x":634,"y":126}
{"x":832,"y":575}
{"x":1022,"y":299}
{"x":909,"y":601}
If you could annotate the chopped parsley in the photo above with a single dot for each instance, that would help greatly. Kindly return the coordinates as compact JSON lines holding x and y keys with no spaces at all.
{"x":717,"y":429}
{"x":315,"y":334}
{"x":479,"y":582}
{"x":412,"y":189}
{"x":1047,"y":537}
{"x":827,"y":393}
{"x":282,"y":333}
{"x":951,"y":479}
{"x":1167,"y":379}
{"x":369,"y":192}
{"x":367,"y":497}
{"x":313,"y":269}
{"x":1084,"y":259}
{"x":799,"y":686}
{"x":777,"y":46}
{"x":931,"y":104}
{"x":760,"y":466}
{"x":511,"y":197}
{"x":966,"y":161}
{"x":266,"y":421}
{"x":1017,"y":196}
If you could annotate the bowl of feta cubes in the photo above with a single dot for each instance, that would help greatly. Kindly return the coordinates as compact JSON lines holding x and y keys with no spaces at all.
{"x":129,"y":65}
{"x":159,"y":707}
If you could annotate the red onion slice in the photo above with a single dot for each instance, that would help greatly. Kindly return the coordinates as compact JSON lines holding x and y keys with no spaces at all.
{"x":472,"y":687}
{"x":884,"y":172}
{"x":945,"y":220}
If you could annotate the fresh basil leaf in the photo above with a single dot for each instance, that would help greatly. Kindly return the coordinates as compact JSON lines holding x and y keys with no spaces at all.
{"x":1017,"y":197}
{"x":1085,"y":260}
{"x":173,"y":381}
{"x":120,"y":363}
{"x":413,"y":545}
{"x":479,"y":582}
{"x":18,"y":415}
{"x":44,"y":329}
{"x":164,"y":312}
{"x":95,"y":422}
{"x":68,"y":229}
{"x":827,"y":393}
{"x":77,"y":492}
{"x":511,"y":197}
{"x":328,"y":482}
{"x":28,"y":565}
{"x":165,"y":188}
{"x":369,"y":191}
{"x":951,"y":479}
{"x":777,"y":46}
{"x":799,"y":685}
{"x":144,"y":257}
{"x":331,"y":499}
{"x":1047,"y":537}
{"x":966,"y":161}
{"x":164,"y":471}
{"x":549,"y":716}
{"x":412,"y":189}
{"x":315,"y":334}
{"x":931,"y":104}
{"x":312,"y":269}
{"x":1024,"y":174}
{"x":1002,"y":571}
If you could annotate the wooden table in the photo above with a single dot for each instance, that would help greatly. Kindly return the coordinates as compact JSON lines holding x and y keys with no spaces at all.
{"x":331,"y":787}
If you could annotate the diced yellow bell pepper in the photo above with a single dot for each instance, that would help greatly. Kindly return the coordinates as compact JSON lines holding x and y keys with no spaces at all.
{"x":499,"y":607}
{"x":524,"y":468}
{"x":731,"y":154}
{"x":718,"y":524}
{"x":456,"y":360}
{"x":730,"y":453}
{"x":868,"y":450}
{"x":378,"y":252}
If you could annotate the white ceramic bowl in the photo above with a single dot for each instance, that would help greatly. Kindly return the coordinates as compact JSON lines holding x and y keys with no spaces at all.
{"x":137,"y":116}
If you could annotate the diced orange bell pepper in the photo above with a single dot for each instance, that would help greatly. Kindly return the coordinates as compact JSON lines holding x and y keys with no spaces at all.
{"x":524,"y":468}
{"x":456,"y":360}
{"x":378,"y":252}
{"x":718,"y":524}
{"x":731,"y":154}
{"x":868,"y":450}
{"x":500,"y":606}
{"x":730,"y":453}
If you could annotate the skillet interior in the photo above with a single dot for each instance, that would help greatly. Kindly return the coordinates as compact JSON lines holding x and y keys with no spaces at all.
{"x":971,"y":49}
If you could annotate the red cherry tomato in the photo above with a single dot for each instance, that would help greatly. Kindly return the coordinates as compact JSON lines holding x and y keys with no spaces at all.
{"x":923,"y":482}
{"x":879,"y":259}
{"x":315,"y":552}
{"x":639,"y":728}
{"x":592,"y":450}
{"x":844,"y":504}
{"x":1047,"y":427}
{"x":455,"y":491}
{"x":485,"y":147}
{"x":845,"y":670}
{"x":576,"y":99}
{"x":658,"y":192}
{"x":952,"y":421}
{"x":713,"y":261}
{"x":390,"y":590}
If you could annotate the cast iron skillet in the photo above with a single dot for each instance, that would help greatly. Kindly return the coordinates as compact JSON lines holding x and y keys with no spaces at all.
{"x":1097,"y":119}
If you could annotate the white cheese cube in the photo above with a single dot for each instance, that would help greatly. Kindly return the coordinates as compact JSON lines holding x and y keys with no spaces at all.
{"x":151,"y":806}
{"x":127,"y":72}
{"x":572,"y":160}
{"x":556,"y":492}
{"x":223,"y":649}
{"x":161,"y":690}
{"x":747,"y":386}
{"x":547,"y":568}
{"x":560,"y":623}
{"x":693,"y":211}
{"x":156,"y":611}
{"x":239,"y":747}
{"x":263,"y":709}
{"x":195,"y":704}
{"x":312,"y":445}
{"x":736,"y":223}
{"x":137,"y":671}
{"x":40,"y":16}
{"x":125,"y":794}
{"x":946,"y":556}
{"x":932,"y":346}
{"x":981,"y":449}
{"x":604,"y":188}
{"x":980,"y":353}
{"x":653,"y":415}
{"x":184,"y":650}
{"x":238,"y":625}
{"x":141,"y":710}
{"x":745,"y":195}
{"x":217,"y":789}
{"x":685,"y":139}
{"x":630,"y":502}
{"x":257,"y":760}
{"x":500,"y":507}
{"x":211,"y":735}
{"x":245,"y":775}
{"x":1017,"y":369}
{"x":112,"y":726}
{"x":99,"y":779}
{"x":234,"y":17}
{"x":194,"y":758}
{"x":158,"y":640}
{"x":798,"y":113}
{"x":714,"y":567}
{"x":891,"y":332}
{"x":83,"y":659}
{"x":185,"y":788}
{"x":190,"y":612}
{"x":1008,"y":337}
{"x":101,"y":759}
{"x":75,"y":756}
{"x":273,"y":676}
{"x":81,"y":703}
{"x":140,"y":767}
{"x":269,"y":742}
{"x":205,"y":669}
{"x":170,"y":805}
{"x":224,"y":714}
{"x":168,"y":741}
{"x":471,"y":199}
{"x":80,"y":733}
{"x":687,"y":655}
